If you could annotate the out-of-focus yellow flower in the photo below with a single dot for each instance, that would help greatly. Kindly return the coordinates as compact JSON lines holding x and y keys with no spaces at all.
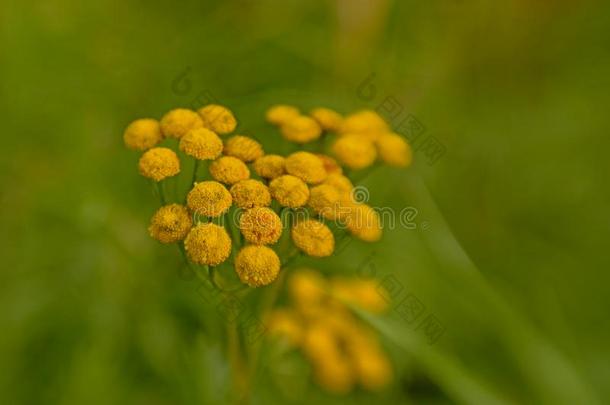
{"x":229,"y":170}
{"x":270,"y":166}
{"x":177,"y":122}
{"x":250,"y":193}
{"x":142,"y":134}
{"x":306,"y":166}
{"x":394,"y":150}
{"x":289,"y":191}
{"x":171,"y":223}
{"x":372,"y":368}
{"x":319,"y":342}
{"x":209,"y":198}
{"x":314,"y":238}
{"x":307,"y":289}
{"x":324,"y":200}
{"x":201,"y":143}
{"x":366,"y":123}
{"x":208,"y":244}
{"x":354,"y":151}
{"x":366,"y":294}
{"x":363,"y":222}
{"x":286,"y":323}
{"x":279,"y":114}
{"x":260,"y":226}
{"x":330,"y":165}
{"x":301,"y":129}
{"x":243,"y":148}
{"x":328,"y":119}
{"x":341,"y":183}
{"x":159,"y":163}
{"x":257,"y":265}
{"x":218,"y":118}
{"x":334,"y":374}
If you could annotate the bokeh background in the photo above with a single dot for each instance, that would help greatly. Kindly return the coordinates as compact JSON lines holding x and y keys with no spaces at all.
{"x":509,"y":251}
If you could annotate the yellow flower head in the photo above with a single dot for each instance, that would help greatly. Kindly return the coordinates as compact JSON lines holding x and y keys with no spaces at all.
{"x":301,"y":129}
{"x":328,"y":119}
{"x":218,"y":118}
{"x":314,"y":238}
{"x":201,"y":143}
{"x":363,"y":222}
{"x":257,"y":265}
{"x":209,"y":198}
{"x":341,"y":183}
{"x":307,"y":289}
{"x":285,"y":323}
{"x":330,"y":165}
{"x":260,"y":226}
{"x":250,"y":193}
{"x":229,"y":170}
{"x":279,"y":114}
{"x":176,"y":123}
{"x":355,"y":152}
{"x":372,"y":368}
{"x":334,"y":375}
{"x":324,"y":200}
{"x":319,"y":342}
{"x":159,"y":163}
{"x":270,"y":166}
{"x":170,"y":223}
{"x":367,"y":294}
{"x":394,"y":150}
{"x":142,"y":134}
{"x":289,"y":191}
{"x":366,"y":123}
{"x":306,"y":166}
{"x":243,"y":148}
{"x":208,"y":244}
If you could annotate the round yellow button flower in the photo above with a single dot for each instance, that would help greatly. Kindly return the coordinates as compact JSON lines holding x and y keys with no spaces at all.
{"x":279,"y":114}
{"x":366,"y":123}
{"x":394,"y":150}
{"x":270,"y":166}
{"x":330,"y":165}
{"x":324,"y":200}
{"x":314,"y":238}
{"x":260,"y":226}
{"x":229,"y":170}
{"x":208,"y":244}
{"x":201,"y":143}
{"x":218,"y":118}
{"x":334,"y":374}
{"x":176,"y":123}
{"x":363,"y":222}
{"x":257,"y":265}
{"x":355,"y":152}
{"x":142,"y":134}
{"x":209,"y":198}
{"x":243,"y":148}
{"x":285,"y":323}
{"x":289,"y":191}
{"x":307,"y":289}
{"x":250,"y":193}
{"x":341,"y":183}
{"x":372,"y":368}
{"x":301,"y":129}
{"x":171,"y":223}
{"x":328,"y":119}
{"x":306,"y":166}
{"x":159,"y":163}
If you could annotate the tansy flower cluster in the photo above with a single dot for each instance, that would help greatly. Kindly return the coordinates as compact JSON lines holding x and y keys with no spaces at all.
{"x":252,"y":210}
{"x":343,"y":352}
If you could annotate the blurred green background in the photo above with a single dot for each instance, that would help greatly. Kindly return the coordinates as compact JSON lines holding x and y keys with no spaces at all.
{"x":512,"y":221}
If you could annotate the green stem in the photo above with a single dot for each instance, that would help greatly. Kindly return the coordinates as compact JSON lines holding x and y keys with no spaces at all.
{"x":161,"y":193}
{"x":195,"y":167}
